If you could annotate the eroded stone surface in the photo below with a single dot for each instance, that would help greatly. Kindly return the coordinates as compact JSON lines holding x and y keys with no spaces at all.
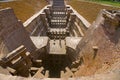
{"x":13,"y":34}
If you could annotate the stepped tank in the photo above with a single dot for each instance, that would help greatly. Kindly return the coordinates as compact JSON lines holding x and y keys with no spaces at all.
{"x":52,"y":43}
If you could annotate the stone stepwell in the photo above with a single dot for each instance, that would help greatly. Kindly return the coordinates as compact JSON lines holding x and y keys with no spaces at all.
{"x":48,"y":44}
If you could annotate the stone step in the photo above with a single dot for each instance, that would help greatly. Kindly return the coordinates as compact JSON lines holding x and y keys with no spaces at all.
{"x":39,"y":73}
{"x":67,"y":74}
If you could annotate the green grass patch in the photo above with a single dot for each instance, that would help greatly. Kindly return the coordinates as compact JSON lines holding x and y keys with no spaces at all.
{"x":89,"y":10}
{"x":107,"y":2}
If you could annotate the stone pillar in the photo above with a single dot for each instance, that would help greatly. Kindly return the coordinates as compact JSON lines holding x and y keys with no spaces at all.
{"x":69,"y":11}
{"x":47,"y":11}
{"x":72,"y":17}
{"x":72,"y":20}
{"x":95,"y":48}
{"x":44,"y":20}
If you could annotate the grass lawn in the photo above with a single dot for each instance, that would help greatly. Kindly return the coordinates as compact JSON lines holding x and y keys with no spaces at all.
{"x":112,"y":3}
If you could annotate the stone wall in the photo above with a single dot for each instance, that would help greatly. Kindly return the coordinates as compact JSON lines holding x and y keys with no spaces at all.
{"x":100,"y":47}
{"x":35,"y":23}
{"x":12,"y":32}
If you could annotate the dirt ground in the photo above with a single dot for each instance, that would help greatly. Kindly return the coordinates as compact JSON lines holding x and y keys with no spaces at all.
{"x":24,"y":8}
{"x":89,"y":10}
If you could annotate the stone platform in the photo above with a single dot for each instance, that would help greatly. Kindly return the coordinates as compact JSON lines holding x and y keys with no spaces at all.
{"x":57,"y":47}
